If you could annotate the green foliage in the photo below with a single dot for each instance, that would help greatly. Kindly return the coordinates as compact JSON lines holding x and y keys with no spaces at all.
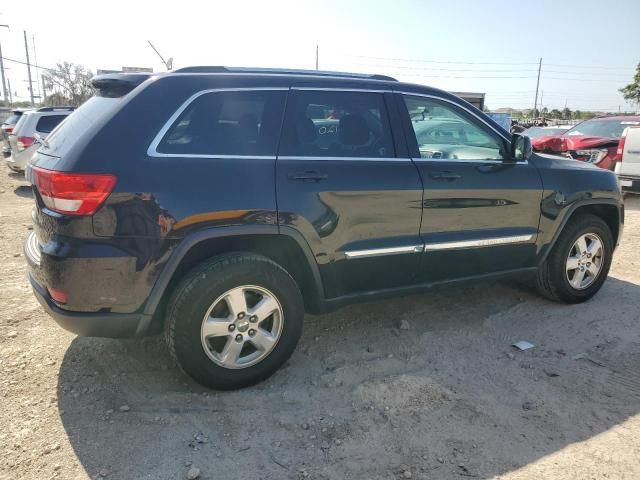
{"x":68,"y":84}
{"x":631,"y":92}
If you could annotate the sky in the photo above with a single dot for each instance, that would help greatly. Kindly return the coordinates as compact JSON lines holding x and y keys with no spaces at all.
{"x":589,"y":48}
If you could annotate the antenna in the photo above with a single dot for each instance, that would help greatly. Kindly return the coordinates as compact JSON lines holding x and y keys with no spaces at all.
{"x":167,"y":63}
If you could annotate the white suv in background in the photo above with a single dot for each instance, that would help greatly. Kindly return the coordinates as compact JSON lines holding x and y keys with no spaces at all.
{"x":628,"y":160}
{"x":23,"y":140}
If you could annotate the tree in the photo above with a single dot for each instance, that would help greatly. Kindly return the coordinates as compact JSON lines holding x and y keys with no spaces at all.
{"x":631,"y":92}
{"x":68,"y":84}
{"x":544,"y":111}
{"x":577,"y":115}
{"x":566,"y":113}
{"x":555,"y":113}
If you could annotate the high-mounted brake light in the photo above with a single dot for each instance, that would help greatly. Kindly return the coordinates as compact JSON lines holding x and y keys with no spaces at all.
{"x":24,"y":143}
{"x":73,"y":193}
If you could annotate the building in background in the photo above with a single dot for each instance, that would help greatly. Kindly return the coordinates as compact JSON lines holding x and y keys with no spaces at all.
{"x":475,"y":99}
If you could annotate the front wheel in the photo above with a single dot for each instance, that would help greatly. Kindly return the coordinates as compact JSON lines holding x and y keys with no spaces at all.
{"x":234,"y":320}
{"x":579,"y":263}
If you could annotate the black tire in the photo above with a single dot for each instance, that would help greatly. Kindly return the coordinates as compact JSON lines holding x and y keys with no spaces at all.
{"x":196,"y":292}
{"x":551,"y":279}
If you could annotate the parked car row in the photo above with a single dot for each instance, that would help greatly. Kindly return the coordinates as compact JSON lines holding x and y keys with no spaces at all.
{"x":594,"y":141}
{"x":25,"y":130}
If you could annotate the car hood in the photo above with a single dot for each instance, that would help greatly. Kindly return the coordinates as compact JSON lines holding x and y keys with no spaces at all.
{"x":565,"y":143}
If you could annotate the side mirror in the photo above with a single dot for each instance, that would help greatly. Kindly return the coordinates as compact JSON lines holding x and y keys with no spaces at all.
{"x":521,"y":148}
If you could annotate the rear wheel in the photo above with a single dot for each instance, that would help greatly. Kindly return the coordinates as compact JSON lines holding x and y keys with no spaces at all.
{"x":234,"y":320}
{"x":579,"y":263}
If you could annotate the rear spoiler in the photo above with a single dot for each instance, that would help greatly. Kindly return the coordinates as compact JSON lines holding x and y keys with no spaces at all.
{"x":117,"y":84}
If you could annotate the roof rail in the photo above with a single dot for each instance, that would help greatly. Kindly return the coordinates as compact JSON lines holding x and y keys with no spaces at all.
{"x":53,"y":109}
{"x":282,"y":71}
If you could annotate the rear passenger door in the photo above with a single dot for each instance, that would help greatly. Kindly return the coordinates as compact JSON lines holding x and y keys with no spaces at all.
{"x":481,"y":207}
{"x":349,"y":188}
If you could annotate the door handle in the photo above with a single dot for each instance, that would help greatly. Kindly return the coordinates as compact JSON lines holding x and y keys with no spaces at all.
{"x":309,"y":176}
{"x":445,"y":176}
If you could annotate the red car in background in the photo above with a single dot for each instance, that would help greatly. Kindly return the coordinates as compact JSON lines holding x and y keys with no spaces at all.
{"x":594,"y":141}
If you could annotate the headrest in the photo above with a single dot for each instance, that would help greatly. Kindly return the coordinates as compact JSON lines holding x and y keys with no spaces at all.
{"x":353,"y":130}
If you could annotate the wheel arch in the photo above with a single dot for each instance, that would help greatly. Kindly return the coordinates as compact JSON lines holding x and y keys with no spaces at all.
{"x":608,"y":210}
{"x":286,"y":247}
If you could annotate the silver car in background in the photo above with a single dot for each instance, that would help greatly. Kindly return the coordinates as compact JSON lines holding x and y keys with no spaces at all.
{"x":32,"y":126}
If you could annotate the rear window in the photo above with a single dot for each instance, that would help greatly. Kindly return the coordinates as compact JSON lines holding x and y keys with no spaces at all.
{"x":62,"y":138}
{"x":47,"y":123}
{"x":12,"y":119}
{"x":243,"y":123}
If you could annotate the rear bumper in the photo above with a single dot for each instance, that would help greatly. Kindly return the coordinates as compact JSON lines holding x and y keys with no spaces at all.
{"x":629,"y":183}
{"x":97,"y":323}
{"x":112,"y":325}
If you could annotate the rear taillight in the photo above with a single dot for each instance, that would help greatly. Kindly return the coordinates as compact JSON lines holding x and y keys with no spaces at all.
{"x":73,"y":193}
{"x":620,"y":149}
{"x":25,"y":142}
{"x":8,"y":130}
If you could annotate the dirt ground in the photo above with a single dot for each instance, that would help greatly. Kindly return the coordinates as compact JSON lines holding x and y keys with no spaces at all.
{"x":446,"y":398}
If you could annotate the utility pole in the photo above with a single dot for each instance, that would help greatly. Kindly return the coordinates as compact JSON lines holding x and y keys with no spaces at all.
{"x":44,"y":90}
{"x":535,"y":103}
{"x":10,"y":94}
{"x":4,"y":83}
{"x":317,"y":47}
{"x":35,"y":61}
{"x":26,"y":50}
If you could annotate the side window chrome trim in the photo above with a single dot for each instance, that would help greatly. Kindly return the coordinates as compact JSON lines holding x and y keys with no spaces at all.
{"x":338,"y":89}
{"x":152,"y":151}
{"x":468,"y":110}
{"x":488,"y":161}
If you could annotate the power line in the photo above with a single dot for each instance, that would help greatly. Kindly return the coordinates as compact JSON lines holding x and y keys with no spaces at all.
{"x":435,"y":61}
{"x":25,"y":63}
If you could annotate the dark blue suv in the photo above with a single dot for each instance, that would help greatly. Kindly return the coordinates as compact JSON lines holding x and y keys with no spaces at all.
{"x":217,"y":205}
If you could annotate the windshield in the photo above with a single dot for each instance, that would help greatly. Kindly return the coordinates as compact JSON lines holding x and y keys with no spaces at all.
{"x":62,"y":138}
{"x":601,"y":128}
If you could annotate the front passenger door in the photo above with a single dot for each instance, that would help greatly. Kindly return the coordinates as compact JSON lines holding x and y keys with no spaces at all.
{"x":481,"y":208}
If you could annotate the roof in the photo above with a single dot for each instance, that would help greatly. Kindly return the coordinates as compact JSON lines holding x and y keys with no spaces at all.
{"x":281,"y":71}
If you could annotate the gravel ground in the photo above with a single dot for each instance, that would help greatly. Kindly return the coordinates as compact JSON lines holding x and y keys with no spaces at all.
{"x":425,"y":386}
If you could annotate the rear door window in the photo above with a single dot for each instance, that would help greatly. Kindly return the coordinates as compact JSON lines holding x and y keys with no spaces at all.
{"x":242,"y":123}
{"x":47,"y":123}
{"x":337,"y":124}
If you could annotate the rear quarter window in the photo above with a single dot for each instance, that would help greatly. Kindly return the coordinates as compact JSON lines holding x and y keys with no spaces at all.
{"x":245,"y":123}
{"x":62,"y":138}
